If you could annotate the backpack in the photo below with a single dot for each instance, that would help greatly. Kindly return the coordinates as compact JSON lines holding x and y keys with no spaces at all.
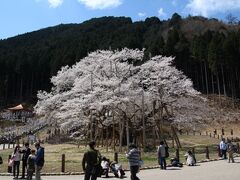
{"x":1,"y":161}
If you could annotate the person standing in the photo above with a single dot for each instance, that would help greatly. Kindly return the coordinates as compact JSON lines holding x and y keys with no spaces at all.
{"x":31,"y":165}
{"x":39,"y":160}
{"x":223,"y":148}
{"x":26,"y":152}
{"x":230,"y":151}
{"x":162,"y":155}
{"x":93,"y":160}
{"x":133,"y":157}
{"x":16,"y":157}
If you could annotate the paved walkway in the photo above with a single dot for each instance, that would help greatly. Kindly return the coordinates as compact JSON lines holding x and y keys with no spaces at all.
{"x":215,"y":170}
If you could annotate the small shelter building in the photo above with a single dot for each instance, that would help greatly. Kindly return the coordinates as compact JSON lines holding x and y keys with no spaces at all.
{"x":19,"y":113}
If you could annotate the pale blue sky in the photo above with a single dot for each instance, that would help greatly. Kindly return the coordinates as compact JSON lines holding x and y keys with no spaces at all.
{"x":21,"y":16}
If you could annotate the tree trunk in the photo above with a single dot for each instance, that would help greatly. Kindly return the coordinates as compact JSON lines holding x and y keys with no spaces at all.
{"x":206,"y":77}
{"x":202,"y":78}
{"x":106,"y":140}
{"x":213,"y":90}
{"x":32,"y":85}
{"x":143,"y":123}
{"x":154,"y":132}
{"x":223,"y":79}
{"x":121,"y":129}
{"x":218,"y":85}
{"x":6,"y":87}
{"x":91,"y":129}
{"x":127,"y":132}
{"x":102,"y":137}
{"x":113,"y":133}
{"x":232,"y":87}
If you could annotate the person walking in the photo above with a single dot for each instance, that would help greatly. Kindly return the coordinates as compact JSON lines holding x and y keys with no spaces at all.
{"x":230,"y":151}
{"x":133,"y":157}
{"x":16,"y":158}
{"x":31,"y":164}
{"x":223,"y":148}
{"x":39,"y":160}
{"x":162,"y":155}
{"x":26,"y":152}
{"x":93,"y":160}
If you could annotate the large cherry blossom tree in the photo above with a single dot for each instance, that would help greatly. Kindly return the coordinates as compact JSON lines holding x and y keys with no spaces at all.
{"x":116,"y":93}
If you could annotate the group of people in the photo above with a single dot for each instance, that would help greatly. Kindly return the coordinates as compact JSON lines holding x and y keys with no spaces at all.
{"x":32,"y":161}
{"x":94,"y":165}
{"x":227,"y":147}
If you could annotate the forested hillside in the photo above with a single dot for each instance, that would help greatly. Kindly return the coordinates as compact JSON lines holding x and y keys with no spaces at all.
{"x":206,"y":50}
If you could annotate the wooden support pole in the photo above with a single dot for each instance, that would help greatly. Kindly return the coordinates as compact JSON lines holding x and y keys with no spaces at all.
{"x":173,"y":143}
{"x":116,"y":157}
{"x":9,"y":168}
{"x":63,"y":163}
{"x":215,"y":131}
{"x":177,"y":154}
{"x":193,"y":150}
{"x":207,"y":153}
{"x":238,"y":148}
{"x":219,"y":151}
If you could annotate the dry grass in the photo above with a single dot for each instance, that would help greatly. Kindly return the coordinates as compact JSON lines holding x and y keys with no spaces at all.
{"x":53,"y":154}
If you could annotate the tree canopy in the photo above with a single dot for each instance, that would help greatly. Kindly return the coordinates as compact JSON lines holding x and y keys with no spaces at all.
{"x":107,"y":82}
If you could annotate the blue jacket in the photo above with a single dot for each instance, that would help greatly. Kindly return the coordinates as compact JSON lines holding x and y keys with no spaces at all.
{"x":40,"y":157}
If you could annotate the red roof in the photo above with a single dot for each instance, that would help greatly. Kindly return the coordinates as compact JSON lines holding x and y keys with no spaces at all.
{"x":18,"y":107}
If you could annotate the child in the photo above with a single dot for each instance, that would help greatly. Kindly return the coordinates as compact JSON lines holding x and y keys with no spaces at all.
{"x":105,"y":166}
{"x":117,"y":169}
{"x":31,"y":165}
{"x":191,"y":161}
{"x":175,"y":162}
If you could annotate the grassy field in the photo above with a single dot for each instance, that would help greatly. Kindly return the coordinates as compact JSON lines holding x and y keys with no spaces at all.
{"x":73,"y":154}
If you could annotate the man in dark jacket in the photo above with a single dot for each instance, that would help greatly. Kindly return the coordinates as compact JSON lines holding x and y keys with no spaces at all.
{"x":93,"y":159}
{"x":26,"y":152}
{"x":39,"y":161}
